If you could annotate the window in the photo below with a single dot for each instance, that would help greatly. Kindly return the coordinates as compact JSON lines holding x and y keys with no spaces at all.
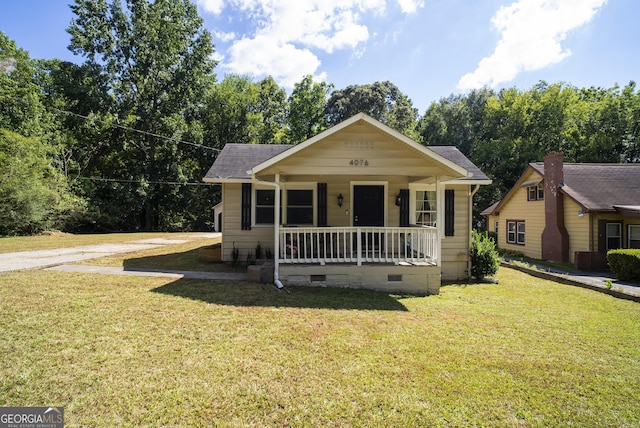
{"x":614,"y":236}
{"x":634,"y":236}
{"x":540,"y":191}
{"x":535,"y":193}
{"x":495,"y":228}
{"x":300,"y":206}
{"x":265,"y":201}
{"x":426,"y":208}
{"x":515,"y":232}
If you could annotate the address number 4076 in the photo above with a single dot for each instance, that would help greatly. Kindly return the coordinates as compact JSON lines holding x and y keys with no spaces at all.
{"x":359,"y":162}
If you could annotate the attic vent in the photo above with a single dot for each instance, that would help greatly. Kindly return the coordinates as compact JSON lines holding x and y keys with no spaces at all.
{"x":394,"y":278}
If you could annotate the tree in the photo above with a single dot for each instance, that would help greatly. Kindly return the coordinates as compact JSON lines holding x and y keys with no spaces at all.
{"x":154,"y":57}
{"x":307,"y":102}
{"x":381,"y":100}
{"x":21,"y":108}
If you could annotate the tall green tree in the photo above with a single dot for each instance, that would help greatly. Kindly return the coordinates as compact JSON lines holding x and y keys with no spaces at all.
{"x":155,"y":58}
{"x":381,"y":100}
{"x":306,"y":114}
{"x":34,"y":194}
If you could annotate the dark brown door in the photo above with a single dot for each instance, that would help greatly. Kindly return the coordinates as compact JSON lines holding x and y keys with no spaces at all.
{"x":368,"y":205}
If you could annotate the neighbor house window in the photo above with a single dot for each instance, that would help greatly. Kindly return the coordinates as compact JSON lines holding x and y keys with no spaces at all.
{"x":634,"y":236}
{"x":535,"y":193}
{"x":515,"y":232}
{"x":495,"y":228}
{"x":614,"y":236}
{"x":426,"y":208}
{"x":299,"y":206}
{"x":265,"y":202}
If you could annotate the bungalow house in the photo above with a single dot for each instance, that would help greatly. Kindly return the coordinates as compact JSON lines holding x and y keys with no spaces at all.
{"x":358,"y":205}
{"x":570,"y":212}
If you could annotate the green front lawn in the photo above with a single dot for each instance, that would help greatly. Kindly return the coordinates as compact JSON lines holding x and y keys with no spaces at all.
{"x":126,"y":351}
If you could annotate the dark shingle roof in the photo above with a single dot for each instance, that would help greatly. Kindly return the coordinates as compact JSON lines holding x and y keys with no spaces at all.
{"x":454,"y":155}
{"x":235,"y":160}
{"x":598,"y":187}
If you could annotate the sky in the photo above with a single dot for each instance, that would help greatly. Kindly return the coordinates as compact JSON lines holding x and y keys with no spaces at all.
{"x":430,"y":49}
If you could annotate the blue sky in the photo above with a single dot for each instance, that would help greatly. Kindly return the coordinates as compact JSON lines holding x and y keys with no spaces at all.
{"x":428,"y":48}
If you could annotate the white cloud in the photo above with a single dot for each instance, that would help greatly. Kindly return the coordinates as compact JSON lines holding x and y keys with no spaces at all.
{"x":259,"y":56}
{"x":211,"y":6}
{"x":290,"y":34}
{"x":225,"y":37}
{"x":531,"y":35}
{"x":410,"y":6}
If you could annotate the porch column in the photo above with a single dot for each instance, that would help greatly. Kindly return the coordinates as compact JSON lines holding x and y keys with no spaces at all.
{"x":439,"y":219}
{"x":276,"y":229}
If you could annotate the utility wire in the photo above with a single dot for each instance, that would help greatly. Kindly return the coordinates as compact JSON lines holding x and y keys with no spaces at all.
{"x":117,"y":125}
{"x":117,"y":180}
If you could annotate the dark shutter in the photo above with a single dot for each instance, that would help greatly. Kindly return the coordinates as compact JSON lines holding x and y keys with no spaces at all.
{"x":449,"y":218}
{"x":246,"y":207}
{"x":322,"y":204}
{"x":404,"y":207}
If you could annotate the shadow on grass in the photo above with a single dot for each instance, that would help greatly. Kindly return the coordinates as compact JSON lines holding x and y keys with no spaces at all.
{"x":238,"y":293}
{"x":250,"y":294}
{"x":186,"y":260}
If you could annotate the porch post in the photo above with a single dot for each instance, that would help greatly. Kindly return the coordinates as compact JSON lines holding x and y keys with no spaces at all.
{"x":439,"y":219}
{"x":276,"y":230}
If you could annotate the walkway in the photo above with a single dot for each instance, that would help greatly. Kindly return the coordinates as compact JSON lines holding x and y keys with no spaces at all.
{"x":178,"y":274}
{"x":605,"y":282}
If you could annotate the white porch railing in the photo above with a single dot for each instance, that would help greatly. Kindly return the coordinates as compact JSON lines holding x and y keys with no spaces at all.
{"x":358,"y":245}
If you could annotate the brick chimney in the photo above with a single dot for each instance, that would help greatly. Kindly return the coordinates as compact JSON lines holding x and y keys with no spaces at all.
{"x":555,"y":239}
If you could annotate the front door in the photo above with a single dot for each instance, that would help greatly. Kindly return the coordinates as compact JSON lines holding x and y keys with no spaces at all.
{"x":368,"y":205}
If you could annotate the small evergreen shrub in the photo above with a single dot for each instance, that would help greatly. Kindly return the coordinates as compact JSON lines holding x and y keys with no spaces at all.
{"x":625,"y":263}
{"x":235,"y":254}
{"x":484,"y":257}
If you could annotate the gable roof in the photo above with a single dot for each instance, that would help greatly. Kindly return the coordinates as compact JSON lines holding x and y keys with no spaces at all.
{"x":593,"y":186}
{"x":376,"y":124}
{"x":237,"y":162}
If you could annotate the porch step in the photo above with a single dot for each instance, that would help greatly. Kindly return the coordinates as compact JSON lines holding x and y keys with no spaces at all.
{"x":262,"y":273}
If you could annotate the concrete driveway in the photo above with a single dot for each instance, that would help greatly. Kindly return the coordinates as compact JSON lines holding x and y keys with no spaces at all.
{"x":47,"y":258}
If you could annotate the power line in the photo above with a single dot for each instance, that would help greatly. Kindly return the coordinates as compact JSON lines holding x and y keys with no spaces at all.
{"x":118,"y":180}
{"x":117,"y":125}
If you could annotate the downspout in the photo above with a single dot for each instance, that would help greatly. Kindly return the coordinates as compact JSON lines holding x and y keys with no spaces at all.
{"x":471,"y":194}
{"x":276,"y":229}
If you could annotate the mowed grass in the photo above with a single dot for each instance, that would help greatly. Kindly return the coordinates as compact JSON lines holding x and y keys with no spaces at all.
{"x":53,"y":240}
{"x":126,"y":351}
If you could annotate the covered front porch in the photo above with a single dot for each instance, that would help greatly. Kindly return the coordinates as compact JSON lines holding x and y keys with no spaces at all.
{"x":416,"y":246}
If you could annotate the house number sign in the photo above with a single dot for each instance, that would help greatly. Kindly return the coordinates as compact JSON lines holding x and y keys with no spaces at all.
{"x":359,"y":162}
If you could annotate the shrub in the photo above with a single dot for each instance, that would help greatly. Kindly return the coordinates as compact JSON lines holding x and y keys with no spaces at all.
{"x":625,"y":263}
{"x":484,"y":257}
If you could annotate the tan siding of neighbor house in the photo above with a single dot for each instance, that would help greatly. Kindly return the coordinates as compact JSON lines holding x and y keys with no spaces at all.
{"x":577,"y":228}
{"x":518,"y":208}
{"x":455,"y":249}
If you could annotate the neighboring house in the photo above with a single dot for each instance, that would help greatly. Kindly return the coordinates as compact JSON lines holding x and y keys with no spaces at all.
{"x":570,"y":212}
{"x":217,"y":217}
{"x":358,"y":205}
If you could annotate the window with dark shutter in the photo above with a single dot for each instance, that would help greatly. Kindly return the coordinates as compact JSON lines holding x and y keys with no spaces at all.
{"x":404,"y":207}
{"x":246,"y":207}
{"x":449,"y":218}
{"x":322,"y":204}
